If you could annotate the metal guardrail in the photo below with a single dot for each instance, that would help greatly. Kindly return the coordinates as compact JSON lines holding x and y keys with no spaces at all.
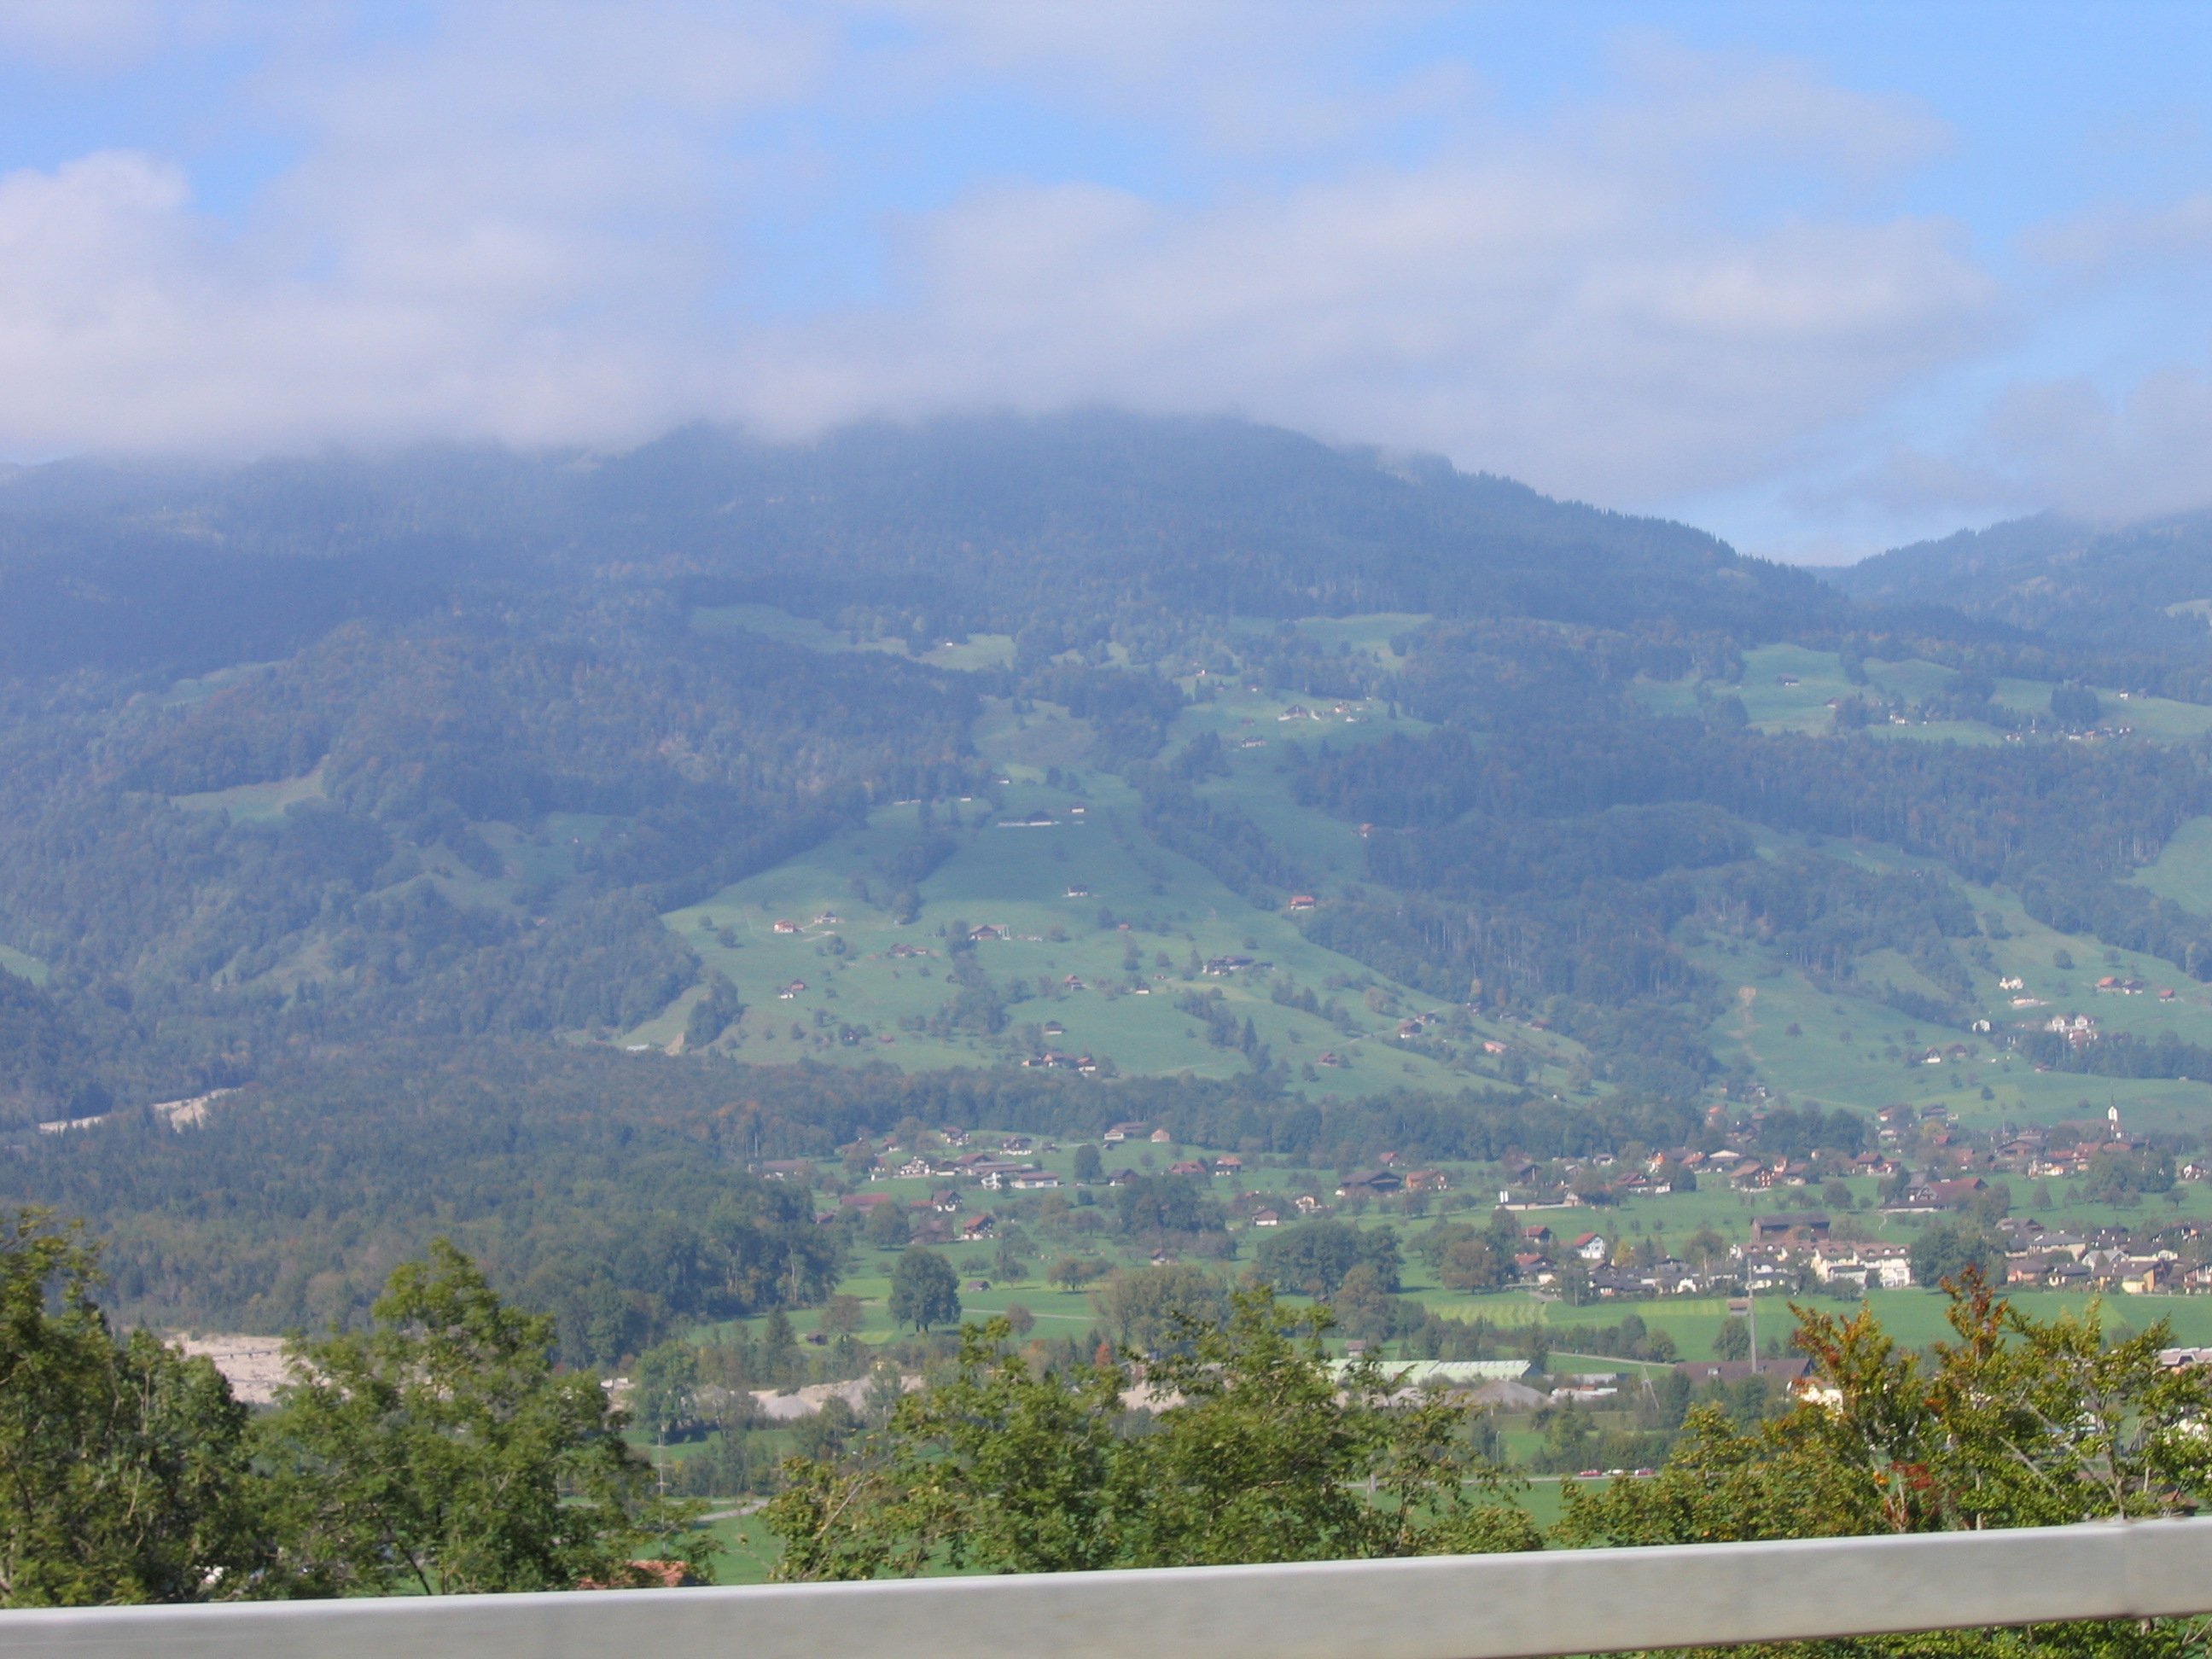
{"x":1478,"y":1607}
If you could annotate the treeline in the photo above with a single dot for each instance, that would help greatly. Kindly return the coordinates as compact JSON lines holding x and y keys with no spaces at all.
{"x":615,"y":1188}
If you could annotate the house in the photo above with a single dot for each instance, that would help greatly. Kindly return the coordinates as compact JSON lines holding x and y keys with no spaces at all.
{"x":786,"y":927}
{"x":1373,"y":1182}
{"x":945,"y":1201}
{"x":867,"y":1203}
{"x":1953,"y":1193}
{"x":1228,"y":1164}
{"x":1539,"y":1234}
{"x":977,"y":1226}
{"x":1033,"y":1180}
{"x":1266,"y":1218}
{"x":1426,"y":1180}
{"x":1591,"y":1247}
{"x":1303,"y":901}
{"x":1804,"y":1227}
{"x":1306,"y":1204}
{"x":784,"y":1169}
{"x":1185,"y":1167}
{"x":1161,"y":1137}
{"x":915,"y":1168}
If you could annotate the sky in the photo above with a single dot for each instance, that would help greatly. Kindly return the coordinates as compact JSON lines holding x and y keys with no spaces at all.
{"x":1821,"y":278}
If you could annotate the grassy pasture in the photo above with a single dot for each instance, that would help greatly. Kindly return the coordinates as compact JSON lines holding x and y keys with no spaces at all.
{"x":22,"y":965}
{"x":977,"y":651}
{"x":1045,"y":888}
{"x":255,"y":803}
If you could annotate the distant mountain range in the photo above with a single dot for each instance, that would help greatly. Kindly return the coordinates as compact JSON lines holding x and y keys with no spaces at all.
{"x":2141,"y":588}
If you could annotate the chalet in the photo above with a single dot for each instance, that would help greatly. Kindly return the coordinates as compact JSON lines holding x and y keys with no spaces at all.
{"x":916,"y":1169}
{"x":1803,"y":1227}
{"x":1185,"y":1167}
{"x":786,"y":927}
{"x":1229,"y":1164}
{"x":1372,"y":1183}
{"x":1539,"y":1234}
{"x":1121,"y":1132}
{"x":987,"y":930}
{"x":1426,"y":1180}
{"x":1952,"y":1193}
{"x":945,"y":1201}
{"x":1266,"y":1218}
{"x":1529,"y":1265}
{"x":1079,"y":890}
{"x":1304,"y":901}
{"x":977,"y":1226}
{"x":1053,"y":1028}
{"x":1734,"y":1370}
{"x":1306,"y":1204}
{"x":1591,"y":1247}
{"x":1161,"y":1137}
{"x":1033,"y":1180}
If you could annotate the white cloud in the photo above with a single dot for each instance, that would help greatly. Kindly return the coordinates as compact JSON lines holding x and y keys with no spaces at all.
{"x":524,"y":224}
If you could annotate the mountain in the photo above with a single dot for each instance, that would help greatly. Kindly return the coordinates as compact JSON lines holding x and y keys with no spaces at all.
{"x":2141,"y":590}
{"x":1052,"y":773}
{"x":1040,"y":528}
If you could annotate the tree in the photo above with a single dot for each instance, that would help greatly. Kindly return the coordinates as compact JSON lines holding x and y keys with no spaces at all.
{"x":843,"y":1315}
{"x":1314,"y":1256}
{"x":439,"y":1451}
{"x":1948,"y":1251}
{"x":2016,"y":1422}
{"x":1019,"y":1320}
{"x":1470,"y":1264}
{"x":924,"y":1291}
{"x":1261,"y":1454}
{"x":123,"y":1466}
{"x":665,"y":1386}
{"x":888,"y":1228}
{"x":1147,"y":1310}
{"x":1088,"y":1166}
{"x":1733,"y":1339}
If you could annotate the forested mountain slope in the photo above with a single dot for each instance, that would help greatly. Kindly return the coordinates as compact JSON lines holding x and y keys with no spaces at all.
{"x":1090,"y":754}
{"x":2139,"y":591}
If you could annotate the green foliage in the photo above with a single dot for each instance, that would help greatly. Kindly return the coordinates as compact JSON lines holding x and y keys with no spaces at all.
{"x":924,"y":1291}
{"x":1953,"y":1250}
{"x":2017,"y":1422}
{"x":1253,"y":1453}
{"x":123,"y":1466}
{"x":440,"y":1452}
{"x":1314,"y":1256}
{"x":1147,"y":1310}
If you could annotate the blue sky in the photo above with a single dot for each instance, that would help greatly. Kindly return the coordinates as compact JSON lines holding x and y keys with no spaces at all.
{"x":1823,"y":278}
